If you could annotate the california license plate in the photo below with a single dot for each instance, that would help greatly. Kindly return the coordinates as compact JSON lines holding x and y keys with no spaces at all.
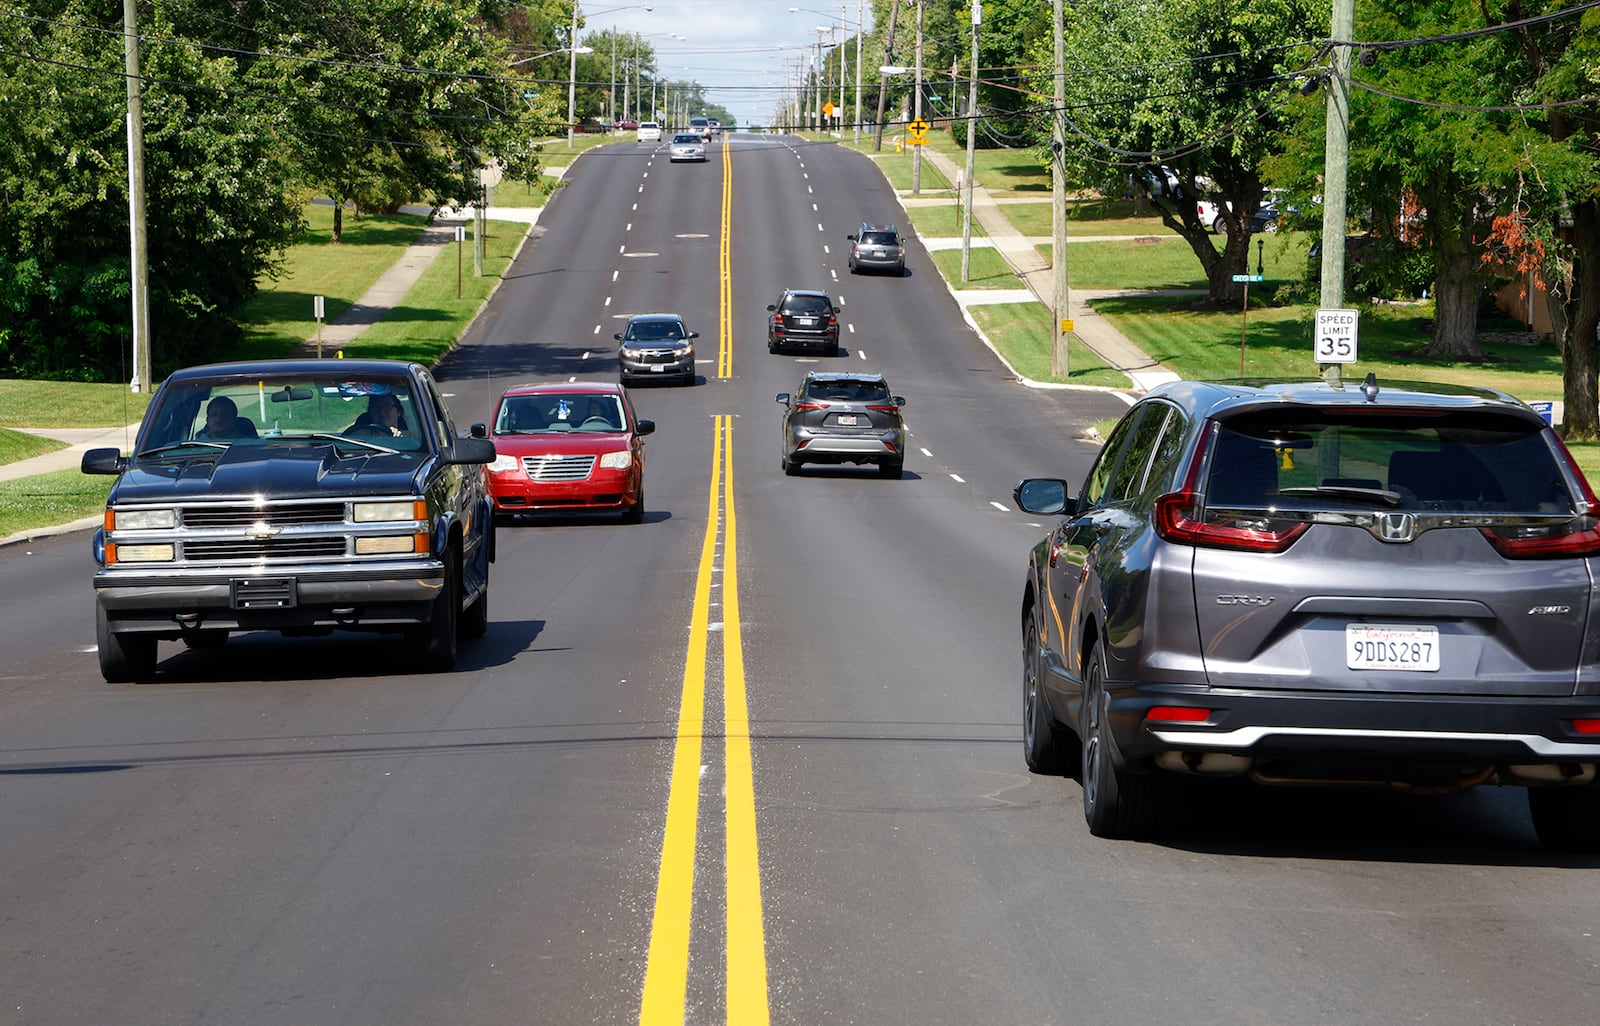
{"x":1376,"y":646}
{"x":847,"y":419}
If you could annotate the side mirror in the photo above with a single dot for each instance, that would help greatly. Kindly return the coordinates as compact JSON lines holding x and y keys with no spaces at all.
{"x":852,"y":238}
{"x":644,"y":427}
{"x":617,"y":336}
{"x":470,"y":450}
{"x":772,"y":306}
{"x":694,"y":334}
{"x":103,"y":461}
{"x":898,"y":400}
{"x":783,"y":397}
{"x":1045,"y":496}
{"x":478,"y":430}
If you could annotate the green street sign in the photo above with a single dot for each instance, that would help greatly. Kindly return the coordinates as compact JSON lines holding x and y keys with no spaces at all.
{"x":1249,"y":277}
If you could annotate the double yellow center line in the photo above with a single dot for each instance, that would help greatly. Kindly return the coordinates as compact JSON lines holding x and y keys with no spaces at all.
{"x":725,"y":274}
{"x":666,"y":978}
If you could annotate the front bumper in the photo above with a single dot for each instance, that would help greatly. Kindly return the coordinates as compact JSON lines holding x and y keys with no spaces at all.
{"x":665,"y":365}
{"x":375,"y":596}
{"x":603,"y":490}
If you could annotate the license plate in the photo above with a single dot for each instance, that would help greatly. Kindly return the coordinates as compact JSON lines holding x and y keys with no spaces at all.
{"x":1376,"y":646}
{"x":657,"y":368}
{"x":847,"y":419}
{"x":806,"y":322}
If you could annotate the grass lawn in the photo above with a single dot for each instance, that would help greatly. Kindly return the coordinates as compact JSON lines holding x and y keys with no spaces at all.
{"x":941,"y":222}
{"x":1169,"y":263}
{"x":987,"y":269}
{"x":896,"y":167}
{"x":19,"y":445}
{"x":68,"y":404}
{"x":1084,"y":217}
{"x":281,"y":316}
{"x":45,"y":500}
{"x":1200,"y":343}
{"x":430,"y":318}
{"x":1027,"y":329}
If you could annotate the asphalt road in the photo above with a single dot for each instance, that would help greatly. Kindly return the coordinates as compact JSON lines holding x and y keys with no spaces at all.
{"x":756,"y":758}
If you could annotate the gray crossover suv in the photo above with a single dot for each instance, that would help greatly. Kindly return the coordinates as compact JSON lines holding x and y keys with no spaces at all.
{"x":877,"y":247}
{"x":843,"y":418}
{"x":1381,"y":584}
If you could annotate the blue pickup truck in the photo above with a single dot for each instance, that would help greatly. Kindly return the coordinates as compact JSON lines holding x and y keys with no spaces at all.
{"x":302,"y":496}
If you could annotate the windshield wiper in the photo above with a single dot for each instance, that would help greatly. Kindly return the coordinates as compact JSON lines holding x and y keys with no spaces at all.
{"x":188,"y":443}
{"x":323,"y":436}
{"x":1348,"y":493}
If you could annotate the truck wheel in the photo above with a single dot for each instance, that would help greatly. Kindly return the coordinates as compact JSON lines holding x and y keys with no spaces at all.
{"x":475,"y":618}
{"x":435,"y":641}
{"x":124,"y":658}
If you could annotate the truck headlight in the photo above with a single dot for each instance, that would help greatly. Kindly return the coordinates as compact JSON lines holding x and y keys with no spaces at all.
{"x":139,"y":553}
{"x":141,"y":520}
{"x":388,"y":512}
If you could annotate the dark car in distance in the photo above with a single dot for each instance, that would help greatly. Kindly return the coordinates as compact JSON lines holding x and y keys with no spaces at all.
{"x":299,"y":496}
{"x":1304,"y":583}
{"x":803,"y":319}
{"x":656,"y":347}
{"x":877,"y":247}
{"x":838,"y":418}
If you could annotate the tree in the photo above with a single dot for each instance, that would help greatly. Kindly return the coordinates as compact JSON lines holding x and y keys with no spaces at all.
{"x":1203,"y":89}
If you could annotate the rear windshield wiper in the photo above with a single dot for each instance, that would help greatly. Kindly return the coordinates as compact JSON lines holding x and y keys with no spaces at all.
{"x":1348,"y":493}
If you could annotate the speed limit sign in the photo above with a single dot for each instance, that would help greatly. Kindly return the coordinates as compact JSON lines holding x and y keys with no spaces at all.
{"x":1336,"y":336}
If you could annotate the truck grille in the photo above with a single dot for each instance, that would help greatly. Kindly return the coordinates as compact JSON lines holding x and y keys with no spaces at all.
{"x":558,"y":468}
{"x":276,"y":516}
{"x":274,"y":548}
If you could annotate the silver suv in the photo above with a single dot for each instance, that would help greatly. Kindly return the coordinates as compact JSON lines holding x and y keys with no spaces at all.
{"x":1388,"y":585}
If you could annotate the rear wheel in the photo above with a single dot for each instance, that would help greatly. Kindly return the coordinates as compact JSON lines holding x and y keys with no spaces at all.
{"x":124,"y":658}
{"x":1567,"y":818}
{"x":790,"y":467}
{"x":1116,"y":802}
{"x":893,"y":470}
{"x":1046,"y":744}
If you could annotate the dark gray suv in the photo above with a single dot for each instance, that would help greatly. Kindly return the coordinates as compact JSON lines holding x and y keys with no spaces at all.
{"x":1388,"y":585}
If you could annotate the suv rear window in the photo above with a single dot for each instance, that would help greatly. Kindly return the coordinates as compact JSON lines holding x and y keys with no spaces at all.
{"x":1466,"y":462}
{"x":848,"y":391}
{"x":880,"y":238}
{"x":807,"y":305}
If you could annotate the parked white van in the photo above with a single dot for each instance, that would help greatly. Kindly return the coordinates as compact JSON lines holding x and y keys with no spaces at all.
{"x":649,"y":131}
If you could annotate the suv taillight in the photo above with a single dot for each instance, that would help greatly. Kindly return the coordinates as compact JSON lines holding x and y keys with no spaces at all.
{"x":1180,"y":519}
{"x":1575,"y":538}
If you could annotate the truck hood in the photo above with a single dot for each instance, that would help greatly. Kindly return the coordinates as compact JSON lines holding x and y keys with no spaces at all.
{"x":288,"y":471}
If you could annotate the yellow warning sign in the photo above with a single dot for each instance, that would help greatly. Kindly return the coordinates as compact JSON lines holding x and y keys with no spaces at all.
{"x":828,"y":108}
{"x":917,"y":132}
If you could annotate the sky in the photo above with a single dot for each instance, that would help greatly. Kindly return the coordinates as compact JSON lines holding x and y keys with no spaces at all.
{"x":747,"y":54}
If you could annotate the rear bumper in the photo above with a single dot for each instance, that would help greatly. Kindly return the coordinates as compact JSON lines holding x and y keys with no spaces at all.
{"x":1375,"y":730}
{"x":791,"y":340}
{"x":873,"y":263}
{"x":884,"y":447}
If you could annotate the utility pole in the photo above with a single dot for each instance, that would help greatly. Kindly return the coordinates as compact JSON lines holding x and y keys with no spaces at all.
{"x":861,"y":30}
{"x":883,"y":77}
{"x":139,"y":278}
{"x":1336,"y":168}
{"x":1060,"y":362}
{"x":972,"y":133}
{"x":916,"y":151}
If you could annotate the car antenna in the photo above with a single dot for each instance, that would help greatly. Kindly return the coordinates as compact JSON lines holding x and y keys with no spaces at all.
{"x":1369,"y":387}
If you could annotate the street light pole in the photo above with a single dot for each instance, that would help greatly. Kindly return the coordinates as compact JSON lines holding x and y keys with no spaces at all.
{"x":861,"y":30}
{"x":572,"y":74}
{"x":916,"y":151}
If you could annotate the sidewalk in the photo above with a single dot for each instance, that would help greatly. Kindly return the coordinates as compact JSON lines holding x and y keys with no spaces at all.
{"x":1024,"y":258}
